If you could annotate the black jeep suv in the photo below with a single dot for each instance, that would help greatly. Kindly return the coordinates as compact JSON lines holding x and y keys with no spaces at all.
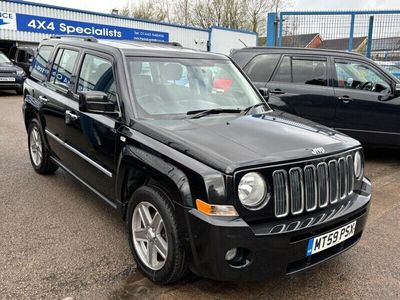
{"x":205,"y":174}
{"x":342,"y":90}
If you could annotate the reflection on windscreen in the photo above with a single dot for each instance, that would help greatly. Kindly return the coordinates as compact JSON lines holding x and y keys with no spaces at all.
{"x":165,"y":86}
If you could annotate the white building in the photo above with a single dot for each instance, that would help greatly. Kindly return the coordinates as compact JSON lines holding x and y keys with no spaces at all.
{"x":25,"y":23}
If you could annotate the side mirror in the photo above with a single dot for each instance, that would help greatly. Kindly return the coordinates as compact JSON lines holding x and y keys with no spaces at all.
{"x":396,"y":90}
{"x":97,"y":103}
{"x":265,"y":93}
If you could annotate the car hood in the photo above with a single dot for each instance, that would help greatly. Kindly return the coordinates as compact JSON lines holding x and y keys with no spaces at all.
{"x":232,"y":142}
{"x":8,"y":67}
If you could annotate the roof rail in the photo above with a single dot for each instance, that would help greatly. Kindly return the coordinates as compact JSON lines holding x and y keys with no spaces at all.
{"x":175,"y":44}
{"x":302,"y":49}
{"x":75,"y":37}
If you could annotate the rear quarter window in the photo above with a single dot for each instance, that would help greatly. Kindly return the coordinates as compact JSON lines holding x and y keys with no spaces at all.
{"x":260,"y":68}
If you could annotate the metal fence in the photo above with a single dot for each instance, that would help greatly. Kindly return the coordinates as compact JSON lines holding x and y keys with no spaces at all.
{"x":375,"y":34}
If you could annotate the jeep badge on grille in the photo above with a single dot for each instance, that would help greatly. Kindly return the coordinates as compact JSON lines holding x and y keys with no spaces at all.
{"x":319,"y":150}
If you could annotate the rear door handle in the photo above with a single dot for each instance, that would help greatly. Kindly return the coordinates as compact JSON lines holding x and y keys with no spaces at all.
{"x":43,"y":99}
{"x":70,"y":117}
{"x":345,"y":99}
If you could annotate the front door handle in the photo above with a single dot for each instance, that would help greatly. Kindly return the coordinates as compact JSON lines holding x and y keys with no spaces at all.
{"x":277,"y":91}
{"x":70,"y":117}
{"x":345,"y":99}
{"x":43,"y":99}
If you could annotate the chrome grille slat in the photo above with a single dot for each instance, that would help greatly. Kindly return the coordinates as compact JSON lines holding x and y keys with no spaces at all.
{"x":350,"y":174}
{"x":323,"y":185}
{"x":314,"y":186}
{"x":333,"y":181}
{"x":296,"y":190}
{"x":281,"y":193}
{"x":342,"y":178}
{"x":310,"y":187}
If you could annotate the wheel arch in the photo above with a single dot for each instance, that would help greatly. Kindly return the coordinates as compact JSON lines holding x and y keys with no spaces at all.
{"x":137,"y":167}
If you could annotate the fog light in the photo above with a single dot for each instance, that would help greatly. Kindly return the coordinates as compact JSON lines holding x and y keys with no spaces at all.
{"x":230,"y":254}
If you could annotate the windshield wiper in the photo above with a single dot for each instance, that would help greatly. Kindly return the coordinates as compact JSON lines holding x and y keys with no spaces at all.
{"x":196,"y":114}
{"x":251,"y":107}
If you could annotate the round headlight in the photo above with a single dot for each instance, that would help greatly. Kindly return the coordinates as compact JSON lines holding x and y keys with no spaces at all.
{"x":358,"y":165}
{"x":253,"y":191}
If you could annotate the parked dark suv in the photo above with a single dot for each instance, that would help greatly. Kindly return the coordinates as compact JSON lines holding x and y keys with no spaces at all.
{"x":11,"y":76}
{"x":206,"y":175}
{"x":343,"y":90}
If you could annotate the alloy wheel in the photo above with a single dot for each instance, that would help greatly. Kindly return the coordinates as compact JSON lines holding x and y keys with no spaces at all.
{"x":36,"y":147}
{"x":149,"y":235}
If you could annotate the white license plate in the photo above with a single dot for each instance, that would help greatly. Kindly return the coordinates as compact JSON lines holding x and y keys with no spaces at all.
{"x":7,"y":79}
{"x":330,"y":239}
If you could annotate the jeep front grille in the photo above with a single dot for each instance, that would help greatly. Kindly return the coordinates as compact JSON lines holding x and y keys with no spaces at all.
{"x":306,"y":189}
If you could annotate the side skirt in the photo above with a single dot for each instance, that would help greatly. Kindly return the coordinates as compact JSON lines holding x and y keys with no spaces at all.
{"x":92,"y":189}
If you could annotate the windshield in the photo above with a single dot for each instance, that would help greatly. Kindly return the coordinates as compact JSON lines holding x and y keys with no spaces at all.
{"x":171,"y":87}
{"x":4,"y":58}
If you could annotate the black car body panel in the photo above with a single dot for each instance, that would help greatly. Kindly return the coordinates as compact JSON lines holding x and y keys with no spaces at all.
{"x":367,"y":115}
{"x":224,"y":142}
{"x":272,"y":253}
{"x":11,"y":76}
{"x":205,"y":158}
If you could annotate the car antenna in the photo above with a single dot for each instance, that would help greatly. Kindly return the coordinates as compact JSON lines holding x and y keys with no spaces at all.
{"x":242,"y":42}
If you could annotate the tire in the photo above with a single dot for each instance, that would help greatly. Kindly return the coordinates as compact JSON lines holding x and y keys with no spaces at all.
{"x":38,"y":153}
{"x":174,"y":266}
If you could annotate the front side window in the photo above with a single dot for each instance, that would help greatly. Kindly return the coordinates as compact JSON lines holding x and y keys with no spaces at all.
{"x":39,"y":66}
{"x":170,"y":87}
{"x":260,"y":68}
{"x":97,"y":75}
{"x":63,"y":67}
{"x":360,"y":76}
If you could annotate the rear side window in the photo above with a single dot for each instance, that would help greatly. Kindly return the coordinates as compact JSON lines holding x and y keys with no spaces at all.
{"x":300,"y":70}
{"x":63,"y":67}
{"x":309,"y":71}
{"x":284,"y":73}
{"x":39,"y":68}
{"x":97,"y":75}
{"x":260,"y":68}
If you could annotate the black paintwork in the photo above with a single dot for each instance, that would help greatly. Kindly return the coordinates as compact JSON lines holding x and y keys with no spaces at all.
{"x":370,"y":117}
{"x":190,"y":158}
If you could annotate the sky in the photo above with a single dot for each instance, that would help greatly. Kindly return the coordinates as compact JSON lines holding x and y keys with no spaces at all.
{"x":106,"y":6}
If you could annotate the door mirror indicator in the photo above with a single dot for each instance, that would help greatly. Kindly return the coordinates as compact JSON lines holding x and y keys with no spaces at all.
{"x":96,"y":102}
{"x":265,"y":93}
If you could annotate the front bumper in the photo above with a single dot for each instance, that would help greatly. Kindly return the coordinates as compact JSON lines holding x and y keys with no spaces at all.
{"x":277,"y":248}
{"x":12,"y":85}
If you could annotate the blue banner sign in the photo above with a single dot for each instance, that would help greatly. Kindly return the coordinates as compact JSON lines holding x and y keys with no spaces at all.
{"x":54,"y":26}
